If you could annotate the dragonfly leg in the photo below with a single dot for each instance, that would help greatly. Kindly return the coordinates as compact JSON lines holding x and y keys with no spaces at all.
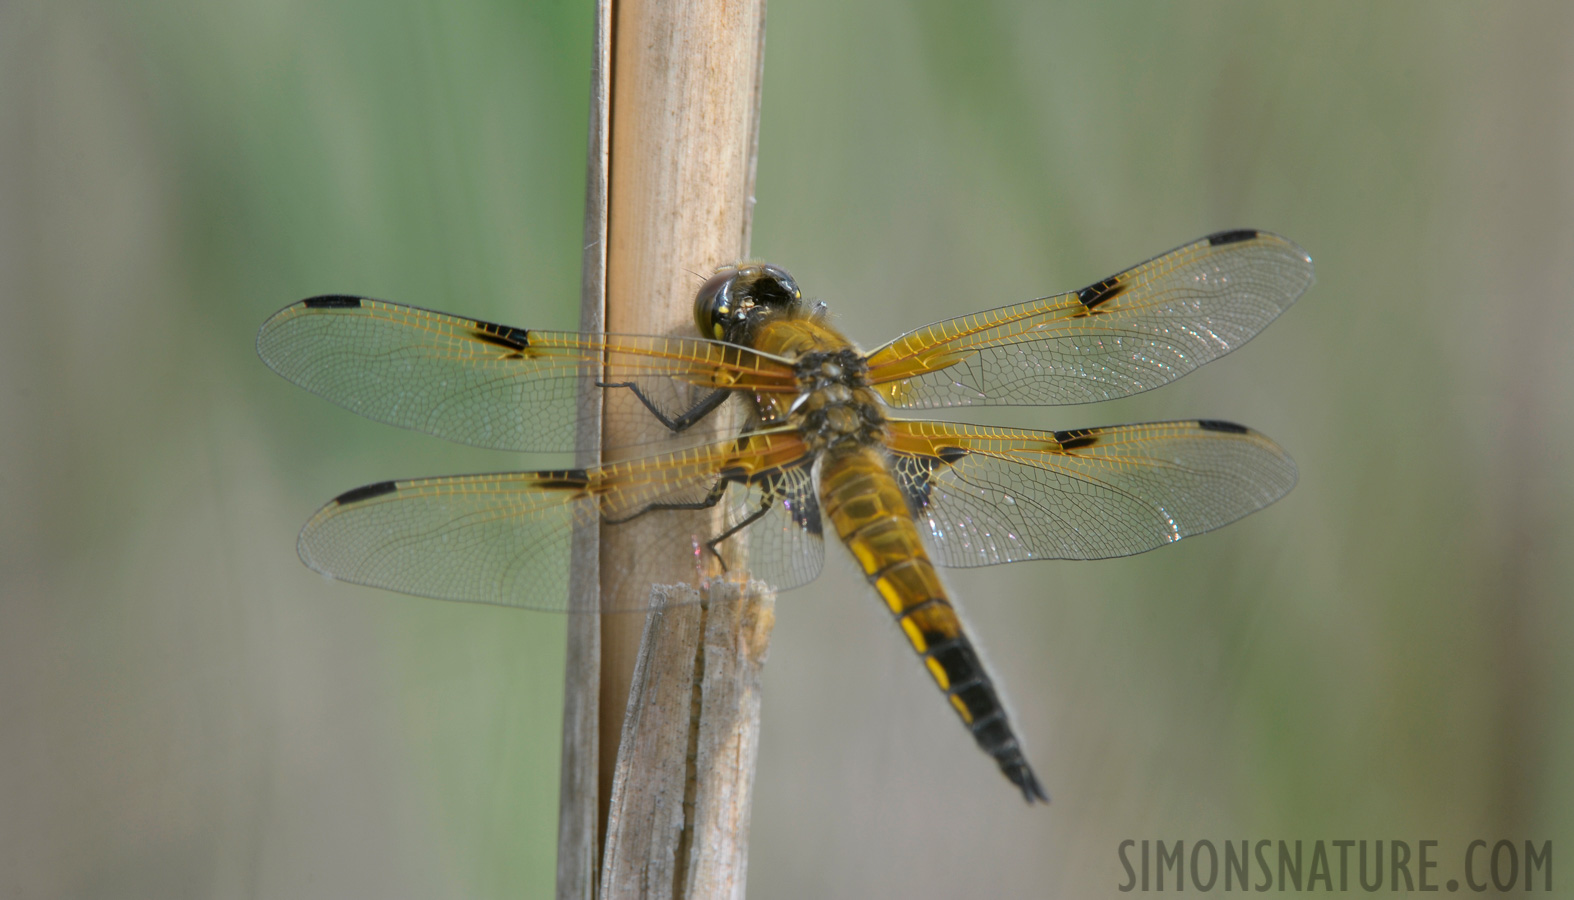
{"x":717,"y":491}
{"x":711,"y":499}
{"x":765,"y":507}
{"x":677,"y":423}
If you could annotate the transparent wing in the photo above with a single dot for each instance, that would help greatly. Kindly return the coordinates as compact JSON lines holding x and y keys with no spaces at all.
{"x":505,"y":538}
{"x":779,"y":514}
{"x":496,"y":386}
{"x":1131,"y":332}
{"x":995,"y":495}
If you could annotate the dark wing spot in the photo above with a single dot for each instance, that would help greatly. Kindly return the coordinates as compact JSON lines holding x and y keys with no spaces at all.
{"x":563,"y":480}
{"x":332,"y":301}
{"x":740,"y":475}
{"x":804,"y":505}
{"x":950,"y":455}
{"x":912,"y":474}
{"x":807,"y":517}
{"x":1077,"y":438}
{"x":797,"y":495}
{"x":1219,"y":425}
{"x":1231,"y":237}
{"x":366,"y":493}
{"x":502,"y":335}
{"x":1095,"y":294}
{"x":916,"y":474}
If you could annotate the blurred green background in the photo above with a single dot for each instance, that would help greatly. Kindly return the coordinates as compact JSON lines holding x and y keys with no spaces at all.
{"x":185,"y":711}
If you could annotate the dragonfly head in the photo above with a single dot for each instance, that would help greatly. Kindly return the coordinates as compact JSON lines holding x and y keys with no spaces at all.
{"x":736,"y":297}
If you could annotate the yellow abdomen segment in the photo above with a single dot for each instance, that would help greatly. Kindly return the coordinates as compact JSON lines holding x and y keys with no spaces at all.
{"x":867,"y":507}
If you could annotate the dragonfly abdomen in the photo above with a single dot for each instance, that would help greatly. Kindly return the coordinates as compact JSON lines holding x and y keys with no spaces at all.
{"x":867,"y":507}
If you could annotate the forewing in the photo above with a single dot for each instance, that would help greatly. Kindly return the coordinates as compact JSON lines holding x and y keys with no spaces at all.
{"x":995,"y":495}
{"x":494,"y":385}
{"x":505,"y":538}
{"x":1131,"y":332}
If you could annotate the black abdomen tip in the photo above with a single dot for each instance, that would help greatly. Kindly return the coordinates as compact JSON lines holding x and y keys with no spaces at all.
{"x":1019,"y":773}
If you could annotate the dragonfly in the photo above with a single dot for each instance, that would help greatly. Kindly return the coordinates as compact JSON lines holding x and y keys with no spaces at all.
{"x":811,"y":436}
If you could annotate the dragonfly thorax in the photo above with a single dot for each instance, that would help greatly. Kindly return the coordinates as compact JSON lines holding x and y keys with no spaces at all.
{"x":835,"y":405}
{"x":823,"y":369}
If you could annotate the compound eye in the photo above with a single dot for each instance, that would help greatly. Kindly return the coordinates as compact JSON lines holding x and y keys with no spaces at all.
{"x":780,"y":276}
{"x":713,"y":304}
